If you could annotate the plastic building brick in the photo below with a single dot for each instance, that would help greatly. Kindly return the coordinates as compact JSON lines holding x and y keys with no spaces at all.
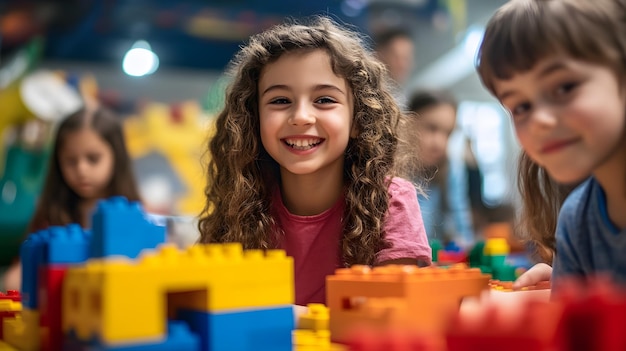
{"x":6,"y":347}
{"x":579,"y":317}
{"x":266,"y":329}
{"x":119,"y":299}
{"x":316,"y":318}
{"x":22,"y":331}
{"x":451,"y":257}
{"x":178,"y":338}
{"x":435,"y":246}
{"x":497,"y":249}
{"x":594,"y":316}
{"x":67,"y":245}
{"x":451,"y":246}
{"x":313,"y":333}
{"x":50,"y":298}
{"x":389,"y":340}
{"x":508,"y":286}
{"x":10,"y":306}
{"x":12,"y":295}
{"x":309,"y":340}
{"x":497,"y":327}
{"x":399,"y":297}
{"x":490,"y":256}
{"x":120,"y":228}
{"x":55,"y":245}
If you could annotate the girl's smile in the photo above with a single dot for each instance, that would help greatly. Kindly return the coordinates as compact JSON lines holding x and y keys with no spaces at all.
{"x":302,"y":143}
{"x":557,"y":145}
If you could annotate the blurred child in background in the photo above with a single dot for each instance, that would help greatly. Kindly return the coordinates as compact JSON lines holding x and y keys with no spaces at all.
{"x":89,"y":162}
{"x":445,"y":201}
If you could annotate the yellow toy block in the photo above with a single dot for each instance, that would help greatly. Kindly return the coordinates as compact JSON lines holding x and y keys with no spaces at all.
{"x":22,"y":331}
{"x":10,"y":306}
{"x":496,"y":247}
{"x":179,"y":141}
{"x":122,"y":300}
{"x":399,"y":297}
{"x":316,"y":318}
{"x":310,"y":340}
{"x":6,"y":347}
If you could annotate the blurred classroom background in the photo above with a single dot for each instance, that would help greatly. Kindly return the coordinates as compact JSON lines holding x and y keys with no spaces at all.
{"x":159,"y":64}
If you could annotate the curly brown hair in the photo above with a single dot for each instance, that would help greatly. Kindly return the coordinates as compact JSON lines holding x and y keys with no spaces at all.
{"x":518,"y":36}
{"x":241,"y":174}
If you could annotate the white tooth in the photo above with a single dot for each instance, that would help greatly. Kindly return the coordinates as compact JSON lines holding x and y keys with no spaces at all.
{"x":300,"y":142}
{"x":310,"y":141}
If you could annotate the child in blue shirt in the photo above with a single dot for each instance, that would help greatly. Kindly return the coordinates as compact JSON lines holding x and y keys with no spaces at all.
{"x":559,"y":68}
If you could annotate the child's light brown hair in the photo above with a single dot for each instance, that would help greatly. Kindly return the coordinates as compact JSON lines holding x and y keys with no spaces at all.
{"x":522,"y":33}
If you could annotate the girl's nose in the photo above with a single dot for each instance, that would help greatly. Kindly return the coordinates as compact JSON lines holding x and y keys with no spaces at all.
{"x":302,"y":115}
{"x":82,"y":167}
{"x":543,"y":118}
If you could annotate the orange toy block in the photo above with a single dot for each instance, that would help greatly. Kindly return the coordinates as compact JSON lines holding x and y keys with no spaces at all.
{"x":503,"y":291}
{"x":399,"y":297}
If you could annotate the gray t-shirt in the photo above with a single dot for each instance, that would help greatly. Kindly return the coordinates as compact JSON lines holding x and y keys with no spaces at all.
{"x":587,"y":243}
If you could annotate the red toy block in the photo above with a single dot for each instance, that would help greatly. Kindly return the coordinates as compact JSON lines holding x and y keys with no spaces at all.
{"x":594,"y":317}
{"x":451,"y":257}
{"x":9,"y":307}
{"x":12,"y":295}
{"x":371,"y":340}
{"x":50,"y":302}
{"x":492,"y":329}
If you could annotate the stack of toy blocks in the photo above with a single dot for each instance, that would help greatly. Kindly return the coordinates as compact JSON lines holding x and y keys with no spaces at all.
{"x":490,"y":256}
{"x":109,"y":289}
{"x":399,"y":297}
{"x":451,"y":254}
{"x":581,"y":317}
{"x":218,"y":297}
{"x":10,"y":307}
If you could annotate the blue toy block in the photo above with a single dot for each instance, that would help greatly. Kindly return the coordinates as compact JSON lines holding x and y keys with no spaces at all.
{"x":452,"y":247}
{"x":68,"y":244}
{"x":179,"y":338}
{"x":120,"y":228}
{"x":32,"y":256}
{"x":54,"y":245}
{"x":252,"y":330}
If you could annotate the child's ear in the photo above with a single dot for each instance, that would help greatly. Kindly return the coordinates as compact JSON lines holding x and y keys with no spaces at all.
{"x":354,"y":131}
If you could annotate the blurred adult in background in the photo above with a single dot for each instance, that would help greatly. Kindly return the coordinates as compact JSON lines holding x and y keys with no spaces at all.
{"x":396,"y":49}
{"x":445,"y":202}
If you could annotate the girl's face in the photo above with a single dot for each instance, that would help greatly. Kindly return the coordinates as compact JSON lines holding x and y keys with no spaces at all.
{"x":568,"y":116}
{"x":436,"y":123}
{"x":305,"y":113}
{"x":87,"y":163}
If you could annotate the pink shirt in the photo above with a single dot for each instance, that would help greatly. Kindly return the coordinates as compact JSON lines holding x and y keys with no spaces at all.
{"x":314,"y":241}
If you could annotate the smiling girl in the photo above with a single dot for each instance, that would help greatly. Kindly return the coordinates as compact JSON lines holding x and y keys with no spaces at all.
{"x":305,"y":157}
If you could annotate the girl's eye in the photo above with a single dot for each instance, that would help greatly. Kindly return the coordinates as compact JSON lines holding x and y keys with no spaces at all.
{"x":325,"y":100}
{"x":69,"y":161}
{"x":93,"y":159}
{"x":520,"y":110}
{"x":564,"y":89}
{"x":279,"y":101}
